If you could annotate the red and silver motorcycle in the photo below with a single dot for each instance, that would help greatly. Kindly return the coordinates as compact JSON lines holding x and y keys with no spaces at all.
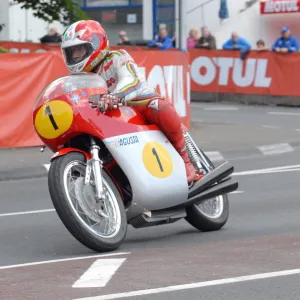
{"x":110,"y":168}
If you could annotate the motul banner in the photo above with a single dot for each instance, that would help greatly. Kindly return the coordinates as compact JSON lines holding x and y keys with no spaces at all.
{"x":23,"y":76}
{"x":261,"y":73}
{"x":279,"y":6}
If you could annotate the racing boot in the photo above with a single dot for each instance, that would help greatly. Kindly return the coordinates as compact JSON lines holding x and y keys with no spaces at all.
{"x":190,"y":170}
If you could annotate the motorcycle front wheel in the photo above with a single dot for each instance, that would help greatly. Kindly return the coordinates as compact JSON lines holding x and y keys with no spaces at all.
{"x":98,"y":225}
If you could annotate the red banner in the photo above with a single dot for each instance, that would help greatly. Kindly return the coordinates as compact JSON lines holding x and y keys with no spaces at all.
{"x":279,"y":6}
{"x":260,"y":73}
{"x":23,"y":76}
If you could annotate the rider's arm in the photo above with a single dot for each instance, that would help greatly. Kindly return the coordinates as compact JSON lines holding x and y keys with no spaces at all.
{"x":129,"y":85}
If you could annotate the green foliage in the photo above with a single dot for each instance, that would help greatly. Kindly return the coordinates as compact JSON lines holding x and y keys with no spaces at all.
{"x":3,"y":50}
{"x":64,"y":11}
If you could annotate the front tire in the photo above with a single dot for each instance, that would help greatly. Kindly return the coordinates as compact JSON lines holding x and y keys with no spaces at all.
{"x":66,"y":184}
{"x":209,"y":222}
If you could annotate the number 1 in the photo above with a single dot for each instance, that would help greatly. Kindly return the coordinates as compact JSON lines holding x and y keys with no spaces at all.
{"x":48,"y":112}
{"x":157,"y":158}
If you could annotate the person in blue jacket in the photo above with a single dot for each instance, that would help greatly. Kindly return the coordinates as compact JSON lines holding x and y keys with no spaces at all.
{"x":236,"y":43}
{"x":163,"y":41}
{"x":287,"y":42}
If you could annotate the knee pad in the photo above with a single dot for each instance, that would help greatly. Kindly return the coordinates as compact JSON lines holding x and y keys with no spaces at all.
{"x":159,"y":104}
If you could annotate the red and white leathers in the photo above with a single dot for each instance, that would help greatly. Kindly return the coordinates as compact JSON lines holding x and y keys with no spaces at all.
{"x":123,"y":80}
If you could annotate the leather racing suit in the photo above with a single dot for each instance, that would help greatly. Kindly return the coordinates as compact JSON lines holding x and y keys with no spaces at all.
{"x":120,"y":72}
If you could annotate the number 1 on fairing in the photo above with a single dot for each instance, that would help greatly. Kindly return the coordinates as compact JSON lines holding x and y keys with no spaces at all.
{"x":49,"y":114}
{"x":157,"y":158}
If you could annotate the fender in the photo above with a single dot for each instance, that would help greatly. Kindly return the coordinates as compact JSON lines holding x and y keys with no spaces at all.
{"x":65,"y":151}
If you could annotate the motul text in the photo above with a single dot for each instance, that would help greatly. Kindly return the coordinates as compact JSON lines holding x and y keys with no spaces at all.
{"x":286,"y":6}
{"x":251,"y":72}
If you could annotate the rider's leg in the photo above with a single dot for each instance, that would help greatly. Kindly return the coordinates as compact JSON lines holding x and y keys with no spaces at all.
{"x":163,"y":114}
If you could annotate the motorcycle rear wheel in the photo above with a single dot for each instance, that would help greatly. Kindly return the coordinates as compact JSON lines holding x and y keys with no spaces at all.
{"x":84,"y":217}
{"x":204,"y":221}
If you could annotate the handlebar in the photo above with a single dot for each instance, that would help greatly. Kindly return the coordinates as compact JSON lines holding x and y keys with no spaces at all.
{"x":95,"y":102}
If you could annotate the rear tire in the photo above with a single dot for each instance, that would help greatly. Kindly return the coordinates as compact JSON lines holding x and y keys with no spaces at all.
{"x":72,"y":220}
{"x":204,"y":222}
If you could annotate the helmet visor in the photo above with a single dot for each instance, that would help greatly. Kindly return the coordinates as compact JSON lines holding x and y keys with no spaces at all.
{"x":78,"y":53}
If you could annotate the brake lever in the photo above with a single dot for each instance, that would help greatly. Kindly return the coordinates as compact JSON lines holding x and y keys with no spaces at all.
{"x":118,"y":105}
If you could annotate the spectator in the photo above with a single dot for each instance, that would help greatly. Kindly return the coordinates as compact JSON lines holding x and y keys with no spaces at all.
{"x":51,"y":37}
{"x":124,"y":40}
{"x":287,"y":42}
{"x":207,"y":40}
{"x":163,"y":41}
{"x":192,"y":39}
{"x":174,"y":40}
{"x":237,"y":43}
{"x":260,"y":44}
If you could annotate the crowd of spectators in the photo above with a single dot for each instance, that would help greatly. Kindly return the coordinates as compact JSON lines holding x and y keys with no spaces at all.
{"x":285,"y":43}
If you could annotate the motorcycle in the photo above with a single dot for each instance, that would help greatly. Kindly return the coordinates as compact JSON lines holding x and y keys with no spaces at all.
{"x":110,"y":168}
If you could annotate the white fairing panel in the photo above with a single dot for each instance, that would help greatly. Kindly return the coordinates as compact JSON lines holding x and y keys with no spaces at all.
{"x":153,"y":167}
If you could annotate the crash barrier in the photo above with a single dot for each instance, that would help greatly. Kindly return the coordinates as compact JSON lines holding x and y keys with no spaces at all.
{"x":220,"y":71}
{"x":23,"y":76}
{"x":175,"y":75}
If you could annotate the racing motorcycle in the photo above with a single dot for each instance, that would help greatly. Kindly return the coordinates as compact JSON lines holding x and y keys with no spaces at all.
{"x":110,"y":168}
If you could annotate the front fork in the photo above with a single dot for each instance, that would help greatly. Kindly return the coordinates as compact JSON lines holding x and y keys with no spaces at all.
{"x":95,"y":164}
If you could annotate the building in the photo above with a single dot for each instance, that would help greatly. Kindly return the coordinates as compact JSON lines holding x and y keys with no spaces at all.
{"x":141,"y":18}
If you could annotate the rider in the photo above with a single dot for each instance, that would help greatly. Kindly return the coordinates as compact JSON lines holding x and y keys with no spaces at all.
{"x":85,"y":47}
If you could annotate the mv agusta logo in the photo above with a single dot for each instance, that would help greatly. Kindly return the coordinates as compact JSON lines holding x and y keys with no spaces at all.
{"x":251,"y":72}
{"x":120,"y":142}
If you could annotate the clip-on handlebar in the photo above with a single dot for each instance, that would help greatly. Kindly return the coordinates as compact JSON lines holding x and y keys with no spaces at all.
{"x":100,"y":104}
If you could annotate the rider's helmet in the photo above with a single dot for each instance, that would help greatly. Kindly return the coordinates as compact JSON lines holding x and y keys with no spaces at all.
{"x":84,"y":45}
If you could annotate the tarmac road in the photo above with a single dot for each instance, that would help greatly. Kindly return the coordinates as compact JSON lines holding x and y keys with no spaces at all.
{"x":261,"y":237}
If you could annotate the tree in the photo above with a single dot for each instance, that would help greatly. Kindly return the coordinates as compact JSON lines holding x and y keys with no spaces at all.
{"x":64,"y":11}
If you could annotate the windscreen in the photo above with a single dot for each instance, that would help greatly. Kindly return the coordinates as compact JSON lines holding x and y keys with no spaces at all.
{"x":70,"y":83}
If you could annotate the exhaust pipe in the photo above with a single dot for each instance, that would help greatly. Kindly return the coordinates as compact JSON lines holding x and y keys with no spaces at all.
{"x":211,"y":178}
{"x":225,"y":187}
{"x":219,"y":189}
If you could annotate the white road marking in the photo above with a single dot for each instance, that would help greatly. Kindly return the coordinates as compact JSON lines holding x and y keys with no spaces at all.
{"x":214,"y":155}
{"x":237,"y":192}
{"x":283,"y":113}
{"x":188,"y":286}
{"x":290,"y":168}
{"x":47,"y":166}
{"x":270,"y":126}
{"x":62,"y":260}
{"x":27,"y":212}
{"x":275,"y":149}
{"x":99,"y":273}
{"x":222,"y":108}
{"x":298,"y":130}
